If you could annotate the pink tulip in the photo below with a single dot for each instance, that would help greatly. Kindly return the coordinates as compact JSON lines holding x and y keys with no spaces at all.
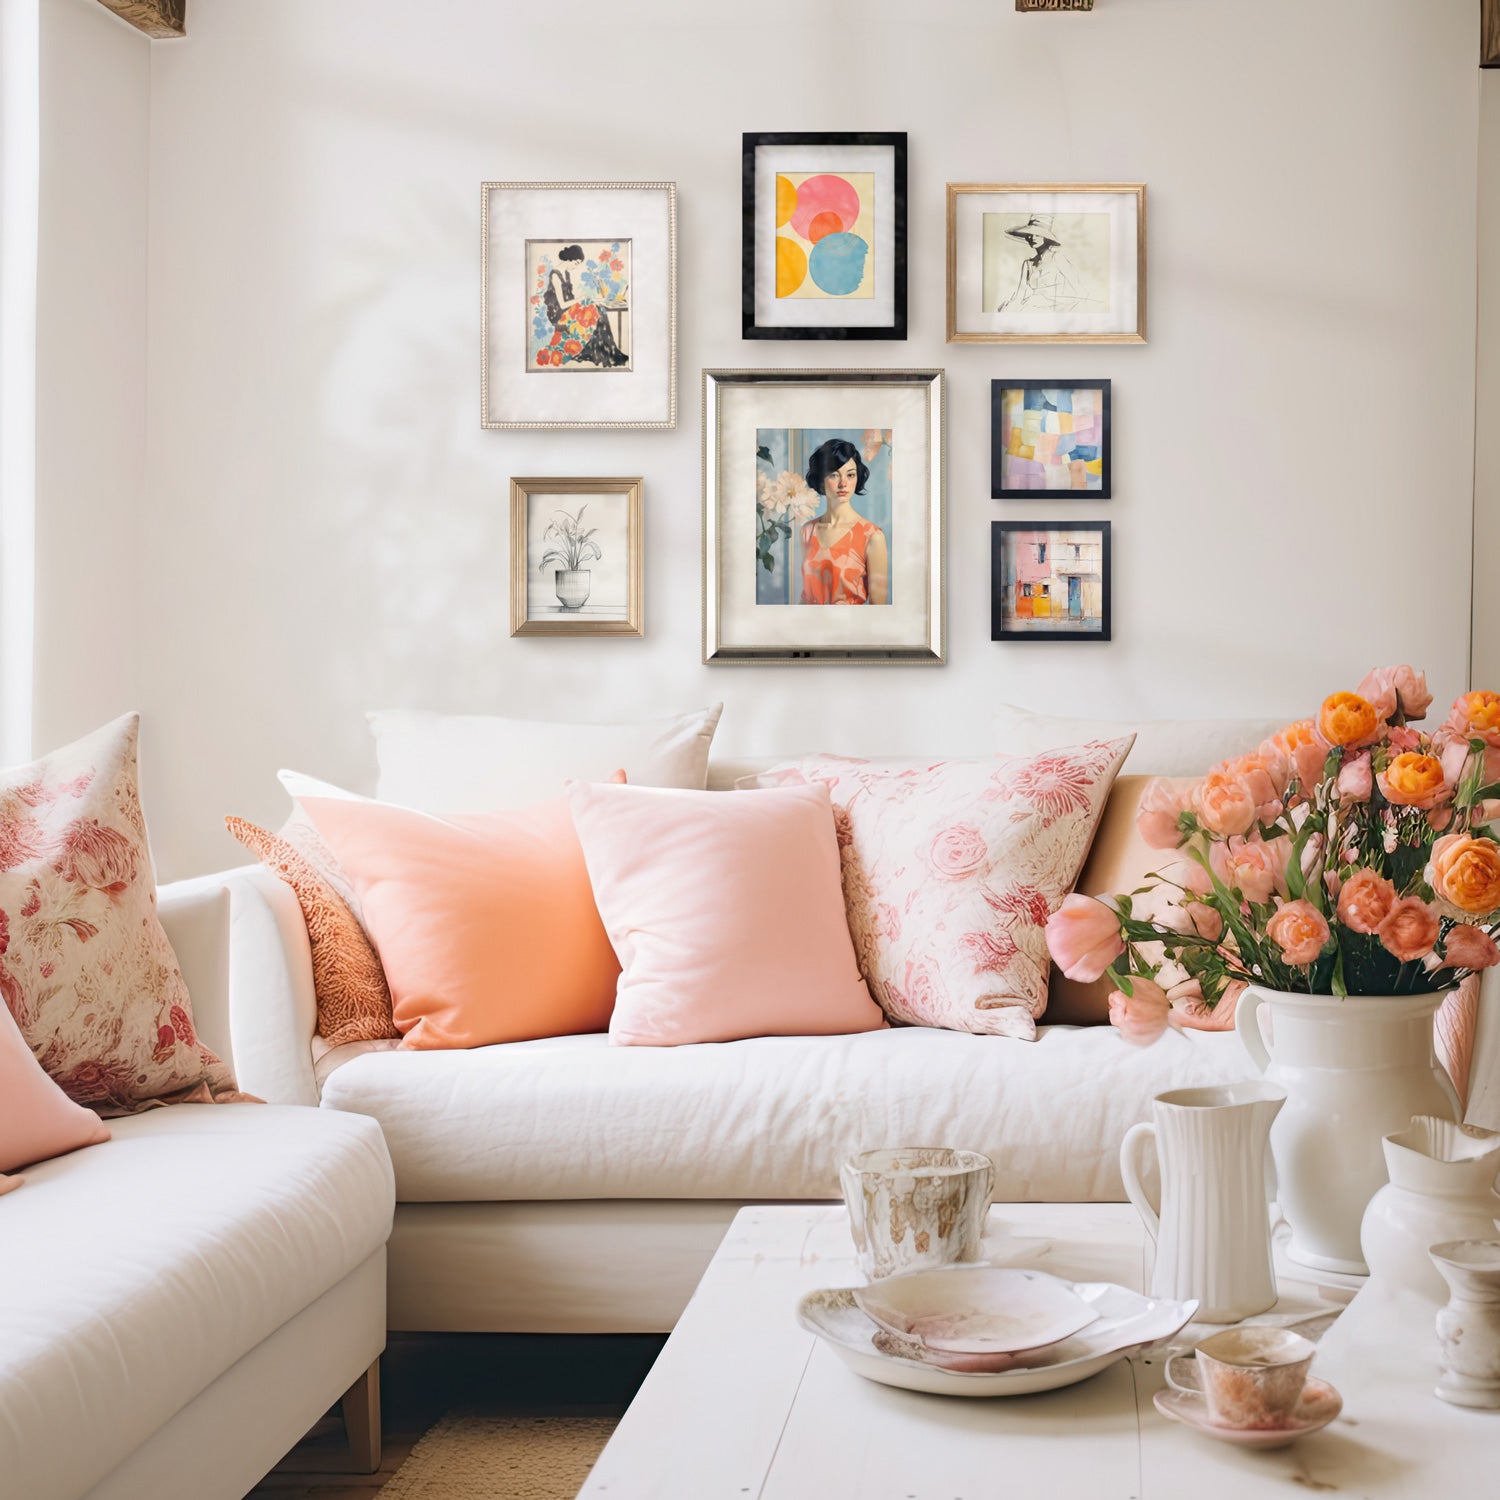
{"x":1300,"y":930}
{"x":1161,"y":804}
{"x":1254,"y":867}
{"x":1141,"y":1016}
{"x":1468,"y":947}
{"x":1409,"y":930}
{"x":1083,"y":936}
{"x":1192,"y":918}
{"x":1258,"y":773}
{"x":1224,"y":803}
{"x":1355,"y":779}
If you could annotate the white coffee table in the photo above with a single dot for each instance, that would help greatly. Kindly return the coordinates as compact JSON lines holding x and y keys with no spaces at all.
{"x":742,"y":1401}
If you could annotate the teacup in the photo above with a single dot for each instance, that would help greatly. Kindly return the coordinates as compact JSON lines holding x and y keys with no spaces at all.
{"x":1248,"y":1377}
{"x":914,"y":1208}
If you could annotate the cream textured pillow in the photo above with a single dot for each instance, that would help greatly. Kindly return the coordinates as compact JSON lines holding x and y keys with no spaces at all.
{"x":85,"y":967}
{"x":1163,"y":747}
{"x":465,"y":763}
{"x":951,"y":869}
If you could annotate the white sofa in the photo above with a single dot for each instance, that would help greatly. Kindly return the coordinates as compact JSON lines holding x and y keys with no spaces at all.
{"x":180,"y":1304}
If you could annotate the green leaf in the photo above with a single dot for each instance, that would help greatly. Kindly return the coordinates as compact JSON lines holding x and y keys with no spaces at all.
{"x":763,"y":453}
{"x":767,"y":562}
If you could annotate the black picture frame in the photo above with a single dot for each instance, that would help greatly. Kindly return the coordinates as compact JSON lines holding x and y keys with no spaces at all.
{"x":753,"y":141}
{"x":998,"y":490}
{"x":999,"y":531}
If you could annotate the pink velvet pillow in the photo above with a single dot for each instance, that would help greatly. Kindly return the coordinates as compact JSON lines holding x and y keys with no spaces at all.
{"x":726,"y":913}
{"x":37,"y":1119}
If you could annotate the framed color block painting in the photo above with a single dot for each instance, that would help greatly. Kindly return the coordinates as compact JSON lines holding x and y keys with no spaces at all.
{"x":1049,"y":582}
{"x":1050,"y":435}
{"x":824,"y":236}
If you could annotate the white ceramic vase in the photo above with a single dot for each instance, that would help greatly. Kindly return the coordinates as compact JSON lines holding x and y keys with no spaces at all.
{"x":1468,"y":1328}
{"x":1213,"y":1227}
{"x":1442,"y":1187}
{"x":1354,"y":1070}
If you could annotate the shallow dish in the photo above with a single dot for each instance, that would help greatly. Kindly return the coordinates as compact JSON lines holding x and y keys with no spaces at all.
{"x":984,"y":1310}
{"x":1126,"y":1321}
{"x":1319,"y":1405}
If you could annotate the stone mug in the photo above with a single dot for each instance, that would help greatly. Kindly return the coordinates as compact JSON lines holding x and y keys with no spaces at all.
{"x":1248,"y":1377}
{"x":914,"y":1208}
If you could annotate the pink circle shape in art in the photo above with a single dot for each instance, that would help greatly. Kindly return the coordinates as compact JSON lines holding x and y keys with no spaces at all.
{"x":824,"y":194}
{"x":826,"y":222}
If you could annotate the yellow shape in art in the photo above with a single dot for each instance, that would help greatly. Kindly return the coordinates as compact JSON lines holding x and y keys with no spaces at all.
{"x":786,"y":201}
{"x":1026,"y":452}
{"x":791,"y":266}
{"x":1015,"y":443}
{"x":1094,"y":465}
{"x":1065,"y":421}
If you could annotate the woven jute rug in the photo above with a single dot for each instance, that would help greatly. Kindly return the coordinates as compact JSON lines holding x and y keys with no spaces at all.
{"x":501,"y":1458}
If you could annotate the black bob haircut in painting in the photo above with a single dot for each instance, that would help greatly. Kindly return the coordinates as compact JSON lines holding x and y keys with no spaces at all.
{"x":829,"y":458}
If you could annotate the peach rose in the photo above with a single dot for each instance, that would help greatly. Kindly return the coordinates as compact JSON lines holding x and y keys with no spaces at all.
{"x":1469,"y":947}
{"x":1083,"y":936}
{"x":1476,"y":716}
{"x":1365,"y":901}
{"x":1141,"y":1016}
{"x":1255,"y":868}
{"x":1162,"y":803}
{"x":1393,"y":690}
{"x":1348,"y":719}
{"x":1409,"y":930}
{"x":1414,"y":780}
{"x":1224,"y":804}
{"x":1255,"y":770}
{"x":1300,"y":930}
{"x":1465,"y":872}
{"x":1355,"y":781}
{"x":1305,"y":748}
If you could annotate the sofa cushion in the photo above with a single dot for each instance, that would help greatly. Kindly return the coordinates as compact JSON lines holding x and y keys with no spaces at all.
{"x":766,"y":1118}
{"x":134,"y":1273}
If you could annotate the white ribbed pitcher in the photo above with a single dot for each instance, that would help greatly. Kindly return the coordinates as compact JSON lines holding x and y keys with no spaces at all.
{"x":1213,"y":1226}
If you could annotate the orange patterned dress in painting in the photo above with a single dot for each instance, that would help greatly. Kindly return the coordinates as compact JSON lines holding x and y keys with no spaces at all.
{"x":837,"y":574}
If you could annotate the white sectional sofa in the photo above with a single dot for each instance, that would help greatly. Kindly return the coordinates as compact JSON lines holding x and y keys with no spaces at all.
{"x":181,"y":1303}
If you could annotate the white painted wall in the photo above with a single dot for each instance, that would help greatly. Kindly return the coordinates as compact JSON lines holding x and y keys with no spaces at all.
{"x":90,"y":368}
{"x":325,"y":524}
{"x":1487,"y":394}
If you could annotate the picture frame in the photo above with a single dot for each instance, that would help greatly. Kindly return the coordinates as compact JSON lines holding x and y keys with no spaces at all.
{"x":871,"y":532}
{"x":1051,"y":439}
{"x":823,"y":236}
{"x":1046,"y":263}
{"x":602,"y":592}
{"x":1050,"y":595}
{"x":578,"y":305}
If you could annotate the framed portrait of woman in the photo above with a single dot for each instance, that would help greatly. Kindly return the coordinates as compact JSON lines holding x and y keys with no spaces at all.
{"x":823,"y":253}
{"x":823,"y":516}
{"x":578,"y":304}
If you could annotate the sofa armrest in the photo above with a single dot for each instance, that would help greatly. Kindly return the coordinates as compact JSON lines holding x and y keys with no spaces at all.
{"x":265,"y":1030}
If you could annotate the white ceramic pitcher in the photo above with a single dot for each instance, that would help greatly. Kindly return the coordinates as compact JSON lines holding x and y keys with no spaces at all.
{"x":1213,"y":1227}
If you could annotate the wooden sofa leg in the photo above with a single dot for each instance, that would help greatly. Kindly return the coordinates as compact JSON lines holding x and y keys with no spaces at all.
{"x":361,"y":1406}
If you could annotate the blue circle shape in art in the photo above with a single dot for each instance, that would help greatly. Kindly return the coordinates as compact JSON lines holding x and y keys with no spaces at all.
{"x":837,"y":263}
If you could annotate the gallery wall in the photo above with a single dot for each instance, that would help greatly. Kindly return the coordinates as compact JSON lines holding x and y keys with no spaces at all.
{"x":324,"y":526}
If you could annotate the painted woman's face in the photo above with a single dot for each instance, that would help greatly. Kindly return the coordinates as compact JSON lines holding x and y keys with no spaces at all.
{"x":840,"y":484}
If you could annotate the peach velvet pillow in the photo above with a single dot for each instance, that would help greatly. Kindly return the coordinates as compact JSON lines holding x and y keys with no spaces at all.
{"x":726,"y":912}
{"x":484,"y":923}
{"x":37,"y":1119}
{"x":354,"y":1002}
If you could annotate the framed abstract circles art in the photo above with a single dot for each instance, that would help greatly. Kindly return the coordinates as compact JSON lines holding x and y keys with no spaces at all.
{"x":824,"y":235}
{"x":578,"y":304}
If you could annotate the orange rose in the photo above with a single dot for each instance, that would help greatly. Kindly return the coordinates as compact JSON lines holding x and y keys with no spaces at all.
{"x":1414,"y":780}
{"x":1300,"y":930}
{"x":1465,"y":872}
{"x":1224,"y":803}
{"x":1476,"y":716}
{"x":1365,"y":901}
{"x":1348,"y":719}
{"x":1410,"y":929}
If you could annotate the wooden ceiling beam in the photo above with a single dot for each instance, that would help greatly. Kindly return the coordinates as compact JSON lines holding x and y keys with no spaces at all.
{"x":157,"y":18}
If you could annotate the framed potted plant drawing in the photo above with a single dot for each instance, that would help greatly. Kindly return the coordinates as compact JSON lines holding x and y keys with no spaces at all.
{"x":1052,"y":437}
{"x":1049,"y":581}
{"x":1046,"y":263}
{"x":576,"y":557}
{"x":578,"y":304}
{"x":823,"y":487}
{"x":823,"y":253}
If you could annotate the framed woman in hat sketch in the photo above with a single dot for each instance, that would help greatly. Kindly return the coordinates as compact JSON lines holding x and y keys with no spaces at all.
{"x":1054,"y":263}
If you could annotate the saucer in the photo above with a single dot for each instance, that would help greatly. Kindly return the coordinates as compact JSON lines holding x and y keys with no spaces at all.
{"x":1319,"y":1405}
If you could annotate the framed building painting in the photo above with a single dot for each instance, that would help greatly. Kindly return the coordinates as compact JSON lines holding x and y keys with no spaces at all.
{"x":823,"y":251}
{"x":576,"y":557}
{"x":1047,"y":263}
{"x":823,"y":488}
{"x":1050,"y":436}
{"x":578,"y":304}
{"x":1050,"y":581}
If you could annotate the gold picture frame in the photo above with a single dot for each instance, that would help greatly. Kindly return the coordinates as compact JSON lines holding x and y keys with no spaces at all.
{"x":1071,"y":323}
{"x":581,"y":604}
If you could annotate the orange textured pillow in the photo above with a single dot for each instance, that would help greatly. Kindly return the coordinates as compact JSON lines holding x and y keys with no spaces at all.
{"x":354,"y":1002}
{"x":485,"y":923}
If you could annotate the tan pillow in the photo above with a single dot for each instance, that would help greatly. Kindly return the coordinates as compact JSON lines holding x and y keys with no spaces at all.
{"x":354,"y":1002}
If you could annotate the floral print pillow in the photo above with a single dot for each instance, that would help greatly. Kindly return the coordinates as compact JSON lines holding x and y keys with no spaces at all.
{"x":951,"y":869}
{"x":85,"y":967}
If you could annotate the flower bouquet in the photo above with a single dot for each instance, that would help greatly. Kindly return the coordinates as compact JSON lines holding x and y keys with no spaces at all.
{"x":1348,"y":855}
